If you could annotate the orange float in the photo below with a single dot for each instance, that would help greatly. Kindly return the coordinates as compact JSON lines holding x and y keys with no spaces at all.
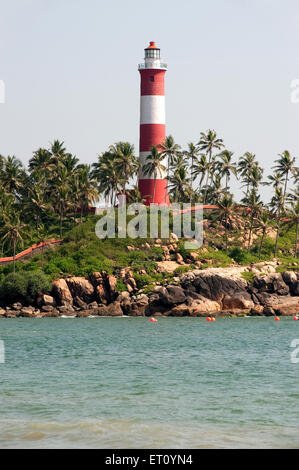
{"x":277,"y":319}
{"x":153,"y":320}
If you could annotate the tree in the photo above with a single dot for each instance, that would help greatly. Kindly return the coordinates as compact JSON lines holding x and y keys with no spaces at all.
{"x":154,"y":166}
{"x":192,"y":154}
{"x":125,"y":160}
{"x":293,"y":216}
{"x":13,"y":233}
{"x":277,"y":204}
{"x":254,"y":204}
{"x":264,"y":223}
{"x":225,"y":166}
{"x":169,"y":150}
{"x":226,"y":207}
{"x":208,"y":143}
{"x":284,"y":166}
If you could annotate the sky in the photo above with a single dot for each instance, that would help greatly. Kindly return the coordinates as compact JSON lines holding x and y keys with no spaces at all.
{"x":70,"y":73}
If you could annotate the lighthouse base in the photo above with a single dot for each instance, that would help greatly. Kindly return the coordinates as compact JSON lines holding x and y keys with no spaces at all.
{"x":150,"y":188}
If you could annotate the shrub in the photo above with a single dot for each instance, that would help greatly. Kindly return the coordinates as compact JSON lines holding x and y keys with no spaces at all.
{"x":36,"y":282}
{"x":13,"y":288}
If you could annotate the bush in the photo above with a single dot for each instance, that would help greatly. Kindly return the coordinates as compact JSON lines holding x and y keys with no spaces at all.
{"x":26,"y":286}
{"x":13,"y":288}
{"x":37,"y":283}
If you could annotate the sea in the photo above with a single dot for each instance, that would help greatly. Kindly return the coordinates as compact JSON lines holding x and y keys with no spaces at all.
{"x":129,"y":383}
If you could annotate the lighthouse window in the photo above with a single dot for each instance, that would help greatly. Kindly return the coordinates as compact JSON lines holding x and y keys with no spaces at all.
{"x":152,"y":53}
{"x":152,"y":78}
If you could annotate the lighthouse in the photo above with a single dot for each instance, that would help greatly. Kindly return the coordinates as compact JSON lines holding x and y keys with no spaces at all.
{"x":152,"y":124}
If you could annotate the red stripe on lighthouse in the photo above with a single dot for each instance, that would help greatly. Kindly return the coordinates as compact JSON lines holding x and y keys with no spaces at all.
{"x":147,"y":188}
{"x":151,"y":134}
{"x":152,"y":82}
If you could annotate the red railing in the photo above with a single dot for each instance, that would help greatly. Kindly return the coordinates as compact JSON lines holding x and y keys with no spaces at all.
{"x":29,"y":251}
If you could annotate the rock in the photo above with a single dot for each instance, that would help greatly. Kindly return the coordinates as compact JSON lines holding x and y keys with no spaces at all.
{"x":131,"y":284}
{"x":48,"y":300}
{"x":17,"y":306}
{"x":62,"y":292}
{"x":268,"y":311}
{"x":202,"y":306}
{"x":167,"y":266}
{"x":257,"y":310}
{"x":137,"y":306}
{"x":170,"y":295}
{"x":112,"y":310}
{"x":67,"y":310}
{"x":2,"y":312}
{"x":179,"y":259}
{"x":47,"y":308}
{"x":81,"y":287}
{"x":242,"y":302}
{"x":92,"y":306}
{"x":27,"y":312}
{"x":193,"y":255}
{"x":174,"y":237}
{"x":295,"y":288}
{"x":272,"y":283}
{"x":289,"y":277}
{"x":79,"y":303}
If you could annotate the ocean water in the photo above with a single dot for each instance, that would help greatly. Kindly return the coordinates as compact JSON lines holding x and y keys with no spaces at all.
{"x":130,"y":383}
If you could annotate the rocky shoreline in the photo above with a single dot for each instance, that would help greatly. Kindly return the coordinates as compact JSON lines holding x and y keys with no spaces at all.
{"x":197,"y":293}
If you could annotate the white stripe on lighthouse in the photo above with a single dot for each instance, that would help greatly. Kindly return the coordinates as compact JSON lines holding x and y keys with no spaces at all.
{"x":143,"y":161}
{"x":152,"y":109}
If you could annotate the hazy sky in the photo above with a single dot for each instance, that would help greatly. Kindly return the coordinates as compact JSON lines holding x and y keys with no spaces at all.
{"x":70,"y":70}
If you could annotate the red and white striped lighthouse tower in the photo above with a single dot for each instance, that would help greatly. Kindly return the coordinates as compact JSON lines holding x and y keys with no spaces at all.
{"x":152,"y":123}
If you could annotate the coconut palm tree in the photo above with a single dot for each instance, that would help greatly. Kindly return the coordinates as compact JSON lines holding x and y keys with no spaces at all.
{"x":13,"y":234}
{"x":293,"y":220}
{"x":226,"y":208}
{"x":179,"y":183}
{"x":254,"y":204}
{"x":200,"y":169}
{"x":86,"y":189}
{"x":208,"y":143}
{"x":277,"y":204}
{"x":226,"y":167}
{"x":284,"y":166}
{"x":126,"y":162}
{"x":192,"y":154}
{"x":169,"y":150}
{"x":154,"y":165}
{"x":263,"y":223}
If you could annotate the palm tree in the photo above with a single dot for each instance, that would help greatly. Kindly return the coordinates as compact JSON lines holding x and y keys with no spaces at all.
{"x":254,"y":204}
{"x":106,"y":173}
{"x":192,"y":154}
{"x":264,"y":223}
{"x":225,"y":166}
{"x":13,"y":233}
{"x":285,"y":165}
{"x":12,"y":176}
{"x":154,"y":166}
{"x":86,"y":188}
{"x":274,"y":180}
{"x":208,"y":143}
{"x":126,"y":162}
{"x":277,"y":204}
{"x":226,"y":207}
{"x":246,"y":164}
{"x":293,"y":216}
{"x":169,"y":150}
{"x":200,"y":169}
{"x":179,"y":183}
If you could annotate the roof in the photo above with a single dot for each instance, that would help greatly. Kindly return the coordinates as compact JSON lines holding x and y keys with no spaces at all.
{"x":152,"y":45}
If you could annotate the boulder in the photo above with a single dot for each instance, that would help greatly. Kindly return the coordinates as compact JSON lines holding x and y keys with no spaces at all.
{"x":112,"y":310}
{"x":17,"y":306}
{"x":170,"y":295}
{"x":137,"y":306}
{"x":295,"y":288}
{"x":272,"y":283}
{"x":81,"y":287}
{"x":62,"y":292}
{"x":289,"y":277}
{"x":242,"y":302}
{"x":2,"y":312}
{"x":27,"y":312}
{"x":48,"y":300}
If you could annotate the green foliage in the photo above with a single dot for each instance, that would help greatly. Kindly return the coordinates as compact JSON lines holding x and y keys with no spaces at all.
{"x":23,"y":286}
{"x":121,"y":286}
{"x":248,"y":276}
{"x":183,"y":269}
